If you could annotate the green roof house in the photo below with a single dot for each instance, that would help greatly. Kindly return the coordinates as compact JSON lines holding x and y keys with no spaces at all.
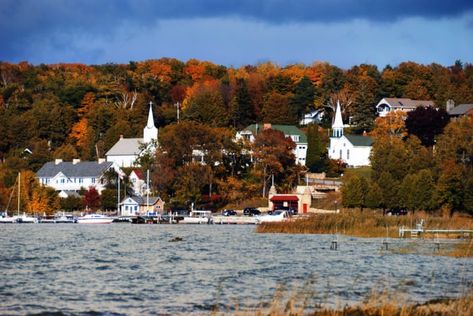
{"x":297,"y":136}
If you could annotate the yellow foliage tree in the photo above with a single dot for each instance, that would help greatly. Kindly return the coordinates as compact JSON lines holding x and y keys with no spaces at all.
{"x":392,"y":125}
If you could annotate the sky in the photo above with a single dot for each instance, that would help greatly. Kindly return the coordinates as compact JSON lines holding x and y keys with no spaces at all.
{"x":237,"y":32}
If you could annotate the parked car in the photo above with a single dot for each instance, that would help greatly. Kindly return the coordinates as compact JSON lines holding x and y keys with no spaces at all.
{"x":396,"y":211}
{"x":290,"y":210}
{"x":251,"y":211}
{"x":229,"y":213}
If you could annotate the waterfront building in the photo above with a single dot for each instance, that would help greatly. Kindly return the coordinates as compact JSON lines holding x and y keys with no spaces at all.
{"x":72,"y":176}
{"x":141,"y":205}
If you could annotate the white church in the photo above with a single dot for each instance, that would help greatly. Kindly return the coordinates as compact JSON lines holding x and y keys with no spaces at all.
{"x":354,"y":150}
{"x":127,"y":150}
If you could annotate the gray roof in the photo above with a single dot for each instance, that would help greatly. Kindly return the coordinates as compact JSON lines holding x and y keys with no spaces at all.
{"x":360,"y":140}
{"x":141,"y":200}
{"x":405,"y":103}
{"x":80,"y":169}
{"x":461,"y":109}
{"x":126,"y":146}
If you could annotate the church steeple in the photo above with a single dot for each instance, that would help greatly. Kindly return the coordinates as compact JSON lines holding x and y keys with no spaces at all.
{"x":337,"y":126}
{"x":150,"y":132}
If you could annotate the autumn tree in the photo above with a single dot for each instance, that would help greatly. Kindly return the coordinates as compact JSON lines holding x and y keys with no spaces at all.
{"x":449,"y":190}
{"x":207,"y":106}
{"x":392,"y":125}
{"x":91,"y":199}
{"x":276,"y":108}
{"x":273,"y":154}
{"x":426,"y":123}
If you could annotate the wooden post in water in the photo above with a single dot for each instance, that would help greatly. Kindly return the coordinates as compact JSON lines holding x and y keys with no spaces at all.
{"x":437,"y":242}
{"x":385,"y":241}
{"x":334,"y":244}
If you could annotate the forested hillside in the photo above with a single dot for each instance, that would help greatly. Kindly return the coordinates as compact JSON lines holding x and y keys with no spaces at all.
{"x":79,"y":111}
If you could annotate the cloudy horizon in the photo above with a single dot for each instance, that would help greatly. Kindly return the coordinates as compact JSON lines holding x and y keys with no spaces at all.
{"x":236,"y":33}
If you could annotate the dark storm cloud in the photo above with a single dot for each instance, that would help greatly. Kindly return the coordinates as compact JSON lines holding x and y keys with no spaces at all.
{"x":25,"y":24}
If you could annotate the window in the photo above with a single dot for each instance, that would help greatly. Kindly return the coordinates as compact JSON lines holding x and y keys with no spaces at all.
{"x":126,"y":207}
{"x":62,"y":180}
{"x":93,"y":180}
{"x":341,"y":154}
{"x":348,"y":154}
{"x":81,"y":180}
{"x":136,"y":207}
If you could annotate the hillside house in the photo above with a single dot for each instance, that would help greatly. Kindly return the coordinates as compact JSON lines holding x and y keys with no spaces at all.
{"x":297,"y":136}
{"x":387,"y":105}
{"x":313,"y":117}
{"x":461,"y":110}
{"x":138,"y":182}
{"x":126,"y":151}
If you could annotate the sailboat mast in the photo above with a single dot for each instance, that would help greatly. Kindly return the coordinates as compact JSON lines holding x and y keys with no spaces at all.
{"x":147,"y":191}
{"x":19,"y":185}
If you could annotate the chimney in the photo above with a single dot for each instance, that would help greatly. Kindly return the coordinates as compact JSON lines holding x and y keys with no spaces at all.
{"x":450,"y":105}
{"x":75,"y":161}
{"x":121,"y":136}
{"x":57,"y":161}
{"x":266,"y":126}
{"x":101,"y":160}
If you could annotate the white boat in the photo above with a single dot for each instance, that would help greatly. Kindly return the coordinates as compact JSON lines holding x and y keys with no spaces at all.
{"x":64,"y":219}
{"x":7,"y":219}
{"x":19,"y":218}
{"x":94,"y":219}
{"x":197,"y":217}
{"x":276,"y":216}
{"x":25,"y":219}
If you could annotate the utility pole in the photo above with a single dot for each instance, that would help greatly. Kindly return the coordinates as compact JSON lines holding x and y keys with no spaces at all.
{"x":178,"y":105}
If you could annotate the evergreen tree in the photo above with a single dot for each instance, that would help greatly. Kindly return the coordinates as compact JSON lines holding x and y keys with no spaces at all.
{"x":354,"y":192}
{"x":242,"y":115}
{"x":316,"y":150}
{"x":407,"y":192}
{"x":468,"y":198}
{"x":302,"y":100}
{"x":389,"y":188}
{"x":374,"y":196}
{"x":424,"y":189}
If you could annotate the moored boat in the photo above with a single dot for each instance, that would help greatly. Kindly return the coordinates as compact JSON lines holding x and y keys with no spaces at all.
{"x":5,"y":219}
{"x":94,"y":219}
{"x":25,"y":219}
{"x":197,"y":217}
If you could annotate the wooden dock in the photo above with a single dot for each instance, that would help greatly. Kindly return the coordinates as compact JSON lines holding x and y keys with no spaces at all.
{"x":419,"y":230}
{"x":234,"y":220}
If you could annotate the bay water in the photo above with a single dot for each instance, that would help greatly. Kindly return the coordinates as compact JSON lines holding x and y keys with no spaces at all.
{"x":196,"y":269}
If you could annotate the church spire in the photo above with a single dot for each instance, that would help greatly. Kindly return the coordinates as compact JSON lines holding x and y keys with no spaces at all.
{"x":150,"y":132}
{"x":337,"y":126}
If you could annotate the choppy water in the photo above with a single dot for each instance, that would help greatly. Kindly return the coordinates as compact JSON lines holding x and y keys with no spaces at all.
{"x":135,"y":269}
